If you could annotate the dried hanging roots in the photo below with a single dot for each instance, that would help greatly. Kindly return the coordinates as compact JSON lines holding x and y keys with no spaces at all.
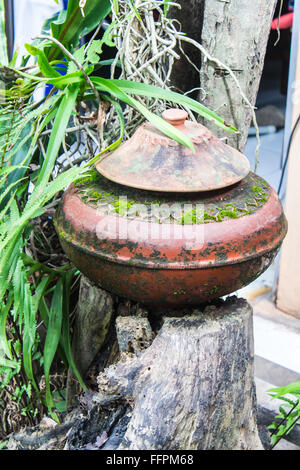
{"x":147,"y":48}
{"x":148,"y":43}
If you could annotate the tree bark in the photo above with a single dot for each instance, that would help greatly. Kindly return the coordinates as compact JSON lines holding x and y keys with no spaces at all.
{"x":93,"y":317}
{"x":236,"y":33}
{"x":184,"y":385}
{"x":205,"y":397}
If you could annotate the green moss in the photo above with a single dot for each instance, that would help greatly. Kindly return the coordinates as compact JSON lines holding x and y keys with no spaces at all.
{"x":92,"y":177}
{"x":227,"y":213}
{"x":256,"y":189}
{"x":179,"y":292}
{"x":192,"y":217}
{"x":65,"y":236}
{"x":97,"y":191}
{"x":214,"y":290}
{"x":260,"y":193}
{"x":208,"y":217}
{"x":122,"y":206}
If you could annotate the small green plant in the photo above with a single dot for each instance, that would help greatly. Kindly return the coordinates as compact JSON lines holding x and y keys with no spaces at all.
{"x":289,"y":414}
{"x":3,"y":444}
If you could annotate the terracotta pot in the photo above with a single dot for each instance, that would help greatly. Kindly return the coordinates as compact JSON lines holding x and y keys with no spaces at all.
{"x":225,"y":239}
{"x":164,"y":226}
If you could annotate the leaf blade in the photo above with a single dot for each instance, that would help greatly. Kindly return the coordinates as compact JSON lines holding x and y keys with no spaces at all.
{"x":142,"y":89}
{"x":107,"y":85}
{"x":52,"y":340}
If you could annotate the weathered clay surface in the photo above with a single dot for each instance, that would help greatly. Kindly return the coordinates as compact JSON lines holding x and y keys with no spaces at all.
{"x":151,"y":161}
{"x":174,"y":263}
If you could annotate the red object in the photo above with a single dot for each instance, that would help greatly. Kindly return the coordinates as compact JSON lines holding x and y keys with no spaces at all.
{"x":159,"y":271}
{"x":164,"y":226}
{"x":151,"y":161}
{"x":285,"y":22}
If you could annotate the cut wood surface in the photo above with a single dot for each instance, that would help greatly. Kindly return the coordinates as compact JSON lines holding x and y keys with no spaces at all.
{"x":193,"y":387}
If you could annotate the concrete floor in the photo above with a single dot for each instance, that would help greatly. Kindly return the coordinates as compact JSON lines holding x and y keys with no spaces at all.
{"x":277,"y":356}
{"x":276,"y":335}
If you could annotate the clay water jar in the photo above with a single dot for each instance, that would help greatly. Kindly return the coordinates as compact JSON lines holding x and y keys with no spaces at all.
{"x":161,"y":225}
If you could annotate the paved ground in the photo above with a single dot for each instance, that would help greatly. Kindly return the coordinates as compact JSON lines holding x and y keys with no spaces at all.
{"x":277,"y":356}
{"x":276,"y":335}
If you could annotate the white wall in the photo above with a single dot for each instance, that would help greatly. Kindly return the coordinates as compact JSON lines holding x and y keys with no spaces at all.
{"x":29,"y":17}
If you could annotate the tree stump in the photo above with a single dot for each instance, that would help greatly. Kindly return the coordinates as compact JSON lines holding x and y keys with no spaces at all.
{"x":193,"y":388}
{"x":93,"y":318}
{"x":183,"y":380}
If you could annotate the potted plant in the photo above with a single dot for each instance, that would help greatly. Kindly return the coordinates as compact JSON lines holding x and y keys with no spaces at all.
{"x":45,"y":144}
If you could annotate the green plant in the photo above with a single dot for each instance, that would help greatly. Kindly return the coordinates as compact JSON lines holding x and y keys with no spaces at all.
{"x":3,"y":444}
{"x":289,"y":414}
{"x":33,"y":135}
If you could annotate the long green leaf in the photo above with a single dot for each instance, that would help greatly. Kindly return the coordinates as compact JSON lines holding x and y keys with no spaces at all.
{"x":29,"y":331}
{"x":142,"y":89}
{"x":33,"y":208}
{"x":72,"y":25}
{"x":280,"y":391}
{"x":60,"y":82}
{"x":4,"y":344}
{"x":107,"y":86}
{"x":62,"y":118}
{"x":116,"y":6}
{"x":43,"y":63}
{"x":52,"y":340}
{"x":44,"y":311}
{"x":65,"y":337}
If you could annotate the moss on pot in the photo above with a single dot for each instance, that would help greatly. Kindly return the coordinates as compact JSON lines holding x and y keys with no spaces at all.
{"x":237,"y":201}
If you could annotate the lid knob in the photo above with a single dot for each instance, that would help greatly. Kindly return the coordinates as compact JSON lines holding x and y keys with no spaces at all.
{"x":174,"y":116}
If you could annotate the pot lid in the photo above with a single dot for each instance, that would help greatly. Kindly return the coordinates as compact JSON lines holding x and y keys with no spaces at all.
{"x":150,"y":160}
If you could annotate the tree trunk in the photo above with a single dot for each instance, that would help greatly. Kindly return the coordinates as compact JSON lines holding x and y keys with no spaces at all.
{"x":205,"y":397}
{"x":236,"y":33}
{"x":181,"y":382}
{"x":93,"y":318}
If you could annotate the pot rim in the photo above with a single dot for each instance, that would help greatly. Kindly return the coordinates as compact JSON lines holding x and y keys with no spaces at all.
{"x":259,"y":232}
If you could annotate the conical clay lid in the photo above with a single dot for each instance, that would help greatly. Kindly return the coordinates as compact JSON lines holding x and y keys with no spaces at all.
{"x":152,"y":161}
